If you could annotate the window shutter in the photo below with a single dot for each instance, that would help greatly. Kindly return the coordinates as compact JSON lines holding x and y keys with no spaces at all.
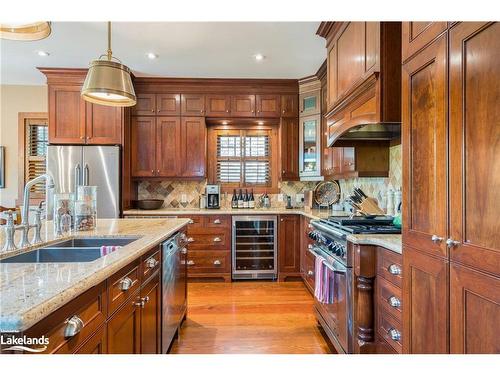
{"x":36,"y":151}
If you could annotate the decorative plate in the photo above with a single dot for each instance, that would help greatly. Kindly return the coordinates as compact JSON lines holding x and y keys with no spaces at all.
{"x":327,"y":193}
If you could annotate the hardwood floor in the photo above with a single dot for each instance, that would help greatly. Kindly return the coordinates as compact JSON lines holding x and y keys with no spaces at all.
{"x":250,"y":318}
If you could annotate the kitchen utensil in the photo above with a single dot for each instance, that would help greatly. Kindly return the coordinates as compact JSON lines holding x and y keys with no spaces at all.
{"x":327,"y":193}
{"x":149,"y":204}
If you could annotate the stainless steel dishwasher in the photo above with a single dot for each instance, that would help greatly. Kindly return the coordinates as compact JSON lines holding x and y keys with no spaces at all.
{"x":174,"y":288}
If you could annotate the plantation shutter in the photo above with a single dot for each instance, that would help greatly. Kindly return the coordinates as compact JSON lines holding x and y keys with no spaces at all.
{"x":35,"y":152}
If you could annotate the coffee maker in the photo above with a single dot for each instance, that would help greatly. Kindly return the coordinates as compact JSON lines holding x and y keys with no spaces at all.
{"x":213,"y":196}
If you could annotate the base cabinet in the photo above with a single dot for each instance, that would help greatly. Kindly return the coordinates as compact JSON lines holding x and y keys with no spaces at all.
{"x":289,"y":246}
{"x":97,"y":344}
{"x":124,"y":328}
{"x":425,"y":309}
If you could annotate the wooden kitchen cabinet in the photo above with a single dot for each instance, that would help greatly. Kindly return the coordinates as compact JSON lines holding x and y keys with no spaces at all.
{"x":192,"y":105}
{"x":474,"y":148}
{"x":142,"y":144}
{"x":242,"y":105}
{"x":289,"y":105}
{"x":97,"y":344}
{"x":103,"y":124}
{"x":66,"y":115}
{"x":426,"y":303}
{"x":151,"y":316}
{"x":218,"y":105}
{"x":145,"y":105}
{"x":193,"y":147}
{"x":289,"y":246}
{"x":268,"y":105}
{"x":424,"y":102}
{"x":474,"y":311}
{"x":168,"y":146}
{"x":168,"y":104}
{"x":310,"y":103}
{"x":124,"y":328}
{"x":416,"y":35}
{"x":289,"y":149}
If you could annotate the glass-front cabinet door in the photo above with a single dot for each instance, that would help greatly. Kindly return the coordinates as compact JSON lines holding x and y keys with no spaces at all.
{"x":309,"y":103}
{"x":309,"y":147}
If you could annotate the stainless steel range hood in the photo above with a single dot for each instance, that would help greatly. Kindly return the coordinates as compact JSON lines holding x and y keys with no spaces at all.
{"x":386,"y":131}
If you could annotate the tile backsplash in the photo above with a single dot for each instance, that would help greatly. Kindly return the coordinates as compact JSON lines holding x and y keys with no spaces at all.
{"x":186,"y":194}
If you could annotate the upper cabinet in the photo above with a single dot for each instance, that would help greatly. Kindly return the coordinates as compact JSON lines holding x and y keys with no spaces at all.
{"x":289,"y":105}
{"x":309,"y":103}
{"x":193,"y":105}
{"x":168,"y":104}
{"x":268,"y":105}
{"x":416,"y":35}
{"x":72,"y":120}
{"x":218,"y":105}
{"x":363,"y":74}
{"x":145,"y":105}
{"x":289,"y":149}
{"x":242,"y":105}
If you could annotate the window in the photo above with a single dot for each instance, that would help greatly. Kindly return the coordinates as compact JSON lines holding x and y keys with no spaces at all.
{"x":242,"y":158}
{"x":33,"y":141}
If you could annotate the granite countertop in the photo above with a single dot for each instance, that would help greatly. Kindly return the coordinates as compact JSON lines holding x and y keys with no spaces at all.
{"x":29,"y":292}
{"x":389,"y":241}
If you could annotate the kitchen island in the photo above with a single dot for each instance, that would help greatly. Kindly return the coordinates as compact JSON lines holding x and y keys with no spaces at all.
{"x":31,"y":292}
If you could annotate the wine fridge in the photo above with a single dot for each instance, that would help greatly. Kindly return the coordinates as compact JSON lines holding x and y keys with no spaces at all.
{"x":254,"y":247}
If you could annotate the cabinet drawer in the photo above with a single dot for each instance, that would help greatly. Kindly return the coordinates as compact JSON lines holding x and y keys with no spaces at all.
{"x":85,"y":313}
{"x":390,"y":266}
{"x":195,"y":220}
{"x":217,"y":240}
{"x":122,"y":285}
{"x":97,"y":344}
{"x":150,"y":263}
{"x":217,"y":221}
{"x":309,"y":269}
{"x":207,"y":261}
{"x":389,"y":298}
{"x":391,"y":330}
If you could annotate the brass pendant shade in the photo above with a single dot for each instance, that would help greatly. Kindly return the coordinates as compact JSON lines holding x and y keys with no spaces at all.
{"x":26,"y":31}
{"x":109,"y":82}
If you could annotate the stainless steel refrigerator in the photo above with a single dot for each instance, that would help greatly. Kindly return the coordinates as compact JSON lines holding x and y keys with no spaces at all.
{"x":71,"y":166}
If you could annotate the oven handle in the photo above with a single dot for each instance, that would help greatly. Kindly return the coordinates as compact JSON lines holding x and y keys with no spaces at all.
{"x":333,"y":266}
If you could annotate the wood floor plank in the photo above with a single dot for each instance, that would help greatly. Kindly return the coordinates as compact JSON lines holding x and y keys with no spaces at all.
{"x":250,"y":317}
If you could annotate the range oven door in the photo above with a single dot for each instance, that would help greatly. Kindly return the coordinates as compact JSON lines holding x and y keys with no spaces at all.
{"x":337,"y":311}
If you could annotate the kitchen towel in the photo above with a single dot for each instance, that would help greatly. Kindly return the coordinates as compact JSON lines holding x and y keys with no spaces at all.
{"x":318,"y":277}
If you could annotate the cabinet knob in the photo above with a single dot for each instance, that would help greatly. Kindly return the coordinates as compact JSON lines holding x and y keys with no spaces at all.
{"x":152,"y":171}
{"x":152,"y":110}
{"x":394,"y":269}
{"x":82,"y":137}
{"x":73,"y":326}
{"x":310,"y":273}
{"x":152,"y":263}
{"x":394,"y":334}
{"x":217,"y":239}
{"x":216,"y":221}
{"x":184,"y":251}
{"x":227,"y":110}
{"x":217,"y":262}
{"x":190,"y":263}
{"x":158,"y":171}
{"x":436,"y":239}
{"x":190,"y":239}
{"x":190,"y":222}
{"x":394,"y":301}
{"x":201,"y":110}
{"x":125,"y":283}
{"x":283,"y":111}
{"x":452,"y":243}
{"x":140,"y":303}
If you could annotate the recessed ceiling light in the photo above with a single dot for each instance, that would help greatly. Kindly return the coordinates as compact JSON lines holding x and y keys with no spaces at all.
{"x":151,"y":55}
{"x":259,"y":57}
{"x":42,"y":53}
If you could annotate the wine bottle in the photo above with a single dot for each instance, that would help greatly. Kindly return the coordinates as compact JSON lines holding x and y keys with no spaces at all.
{"x":251,"y":201}
{"x":245,"y":199}
{"x":240,"y":200}
{"x":234,"y":200}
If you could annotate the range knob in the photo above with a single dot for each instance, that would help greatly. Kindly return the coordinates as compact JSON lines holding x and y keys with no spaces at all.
{"x":332,"y":246}
{"x":341,"y":251}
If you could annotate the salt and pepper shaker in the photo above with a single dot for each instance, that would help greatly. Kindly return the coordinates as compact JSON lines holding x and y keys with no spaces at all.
{"x":390,"y":202}
{"x":397,"y":200}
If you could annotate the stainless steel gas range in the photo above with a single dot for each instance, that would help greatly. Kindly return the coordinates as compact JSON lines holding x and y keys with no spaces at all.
{"x":331,"y":247}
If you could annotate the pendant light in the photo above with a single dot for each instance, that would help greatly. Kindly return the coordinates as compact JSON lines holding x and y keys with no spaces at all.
{"x":108,"y":82}
{"x":25,"y":31}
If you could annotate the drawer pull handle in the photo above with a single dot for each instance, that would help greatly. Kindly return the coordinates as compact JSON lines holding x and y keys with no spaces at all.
{"x":436,"y":239}
{"x":310,"y":273}
{"x":217,"y":239}
{"x":190,"y":263}
{"x":152,"y":263}
{"x":190,"y":239}
{"x":217,"y":262}
{"x":73,"y":326}
{"x":125,"y":283}
{"x":140,"y":303}
{"x":190,"y":221}
{"x":394,"y":301}
{"x":394,"y":334}
{"x":184,"y":251}
{"x":216,"y":221}
{"x":394,"y":269}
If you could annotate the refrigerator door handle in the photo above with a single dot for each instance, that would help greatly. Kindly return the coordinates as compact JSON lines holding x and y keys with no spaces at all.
{"x":86,"y":175}
{"x":77,"y":177}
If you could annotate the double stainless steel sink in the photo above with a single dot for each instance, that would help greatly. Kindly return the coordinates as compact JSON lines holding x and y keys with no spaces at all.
{"x":83,"y":249}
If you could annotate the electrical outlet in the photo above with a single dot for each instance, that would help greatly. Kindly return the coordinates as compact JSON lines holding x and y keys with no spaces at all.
{"x":280,"y":197}
{"x":184,"y":198}
{"x":299,"y":197}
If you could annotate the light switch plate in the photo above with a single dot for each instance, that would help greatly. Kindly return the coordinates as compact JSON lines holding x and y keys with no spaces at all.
{"x":299,"y":197}
{"x":280,"y":197}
